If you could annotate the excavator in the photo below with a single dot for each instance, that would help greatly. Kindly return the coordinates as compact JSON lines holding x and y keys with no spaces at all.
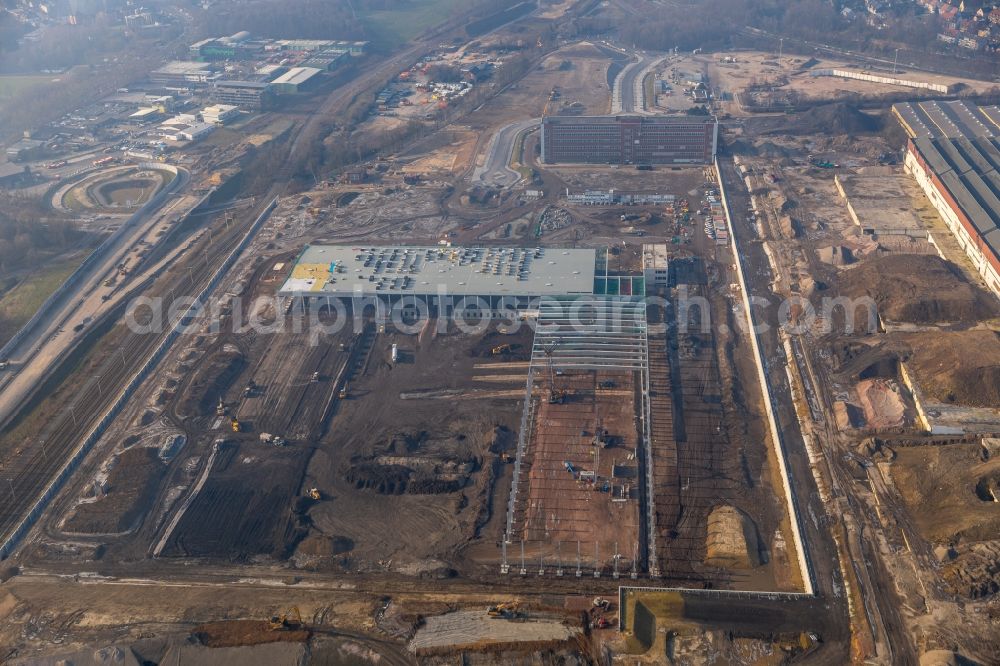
{"x":315,"y":494}
{"x":286,"y":621}
{"x":508,"y":610}
{"x":501,"y":349}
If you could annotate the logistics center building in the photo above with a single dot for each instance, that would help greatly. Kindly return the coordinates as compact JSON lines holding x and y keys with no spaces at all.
{"x":483,"y":278}
{"x":954,"y":155}
{"x":640,"y":140}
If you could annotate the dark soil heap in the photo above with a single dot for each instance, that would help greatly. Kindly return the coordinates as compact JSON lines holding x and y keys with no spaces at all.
{"x":918,"y":289}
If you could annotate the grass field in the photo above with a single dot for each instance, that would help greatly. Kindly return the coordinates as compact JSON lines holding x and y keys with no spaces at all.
{"x":387,"y":29}
{"x":10,"y":86}
{"x":20,"y":303}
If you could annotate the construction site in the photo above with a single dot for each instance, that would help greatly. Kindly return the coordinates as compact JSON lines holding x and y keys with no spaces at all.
{"x":460,"y":399}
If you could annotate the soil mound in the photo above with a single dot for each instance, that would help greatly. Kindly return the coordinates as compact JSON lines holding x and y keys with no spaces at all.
{"x":944,"y":658}
{"x":234,"y":633}
{"x":918,"y":289}
{"x":882,"y":404}
{"x":732,"y":539}
{"x":837,"y":119}
{"x":947,"y":372}
{"x":124,"y":498}
{"x":325,"y":546}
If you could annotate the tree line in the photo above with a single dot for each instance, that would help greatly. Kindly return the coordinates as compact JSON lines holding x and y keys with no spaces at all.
{"x":27,"y":237}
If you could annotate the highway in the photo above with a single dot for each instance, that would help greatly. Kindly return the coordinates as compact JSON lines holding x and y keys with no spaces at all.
{"x":69,"y":318}
{"x":28,"y":468}
{"x":29,"y":464}
{"x":623,"y":91}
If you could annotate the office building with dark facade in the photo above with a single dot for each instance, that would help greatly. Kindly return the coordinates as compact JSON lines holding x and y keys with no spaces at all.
{"x":636,"y":140}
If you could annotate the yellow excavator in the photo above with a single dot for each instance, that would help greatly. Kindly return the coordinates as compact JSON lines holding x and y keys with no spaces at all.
{"x":286,"y":621}
{"x":507,"y":610}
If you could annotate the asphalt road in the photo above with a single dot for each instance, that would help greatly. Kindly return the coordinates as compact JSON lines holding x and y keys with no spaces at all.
{"x":623,"y":93}
{"x":27,"y":469}
{"x":496,"y":170}
{"x":68,"y":320}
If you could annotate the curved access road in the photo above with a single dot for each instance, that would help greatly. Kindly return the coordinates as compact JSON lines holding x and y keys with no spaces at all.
{"x":496,"y":170}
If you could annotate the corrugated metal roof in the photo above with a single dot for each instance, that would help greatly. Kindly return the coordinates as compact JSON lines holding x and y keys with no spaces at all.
{"x":977,"y":190}
{"x":297,"y":75}
{"x":954,"y":156}
{"x":987,"y":199}
{"x":971,"y":151}
{"x":932,"y":156}
{"x":990,"y":150}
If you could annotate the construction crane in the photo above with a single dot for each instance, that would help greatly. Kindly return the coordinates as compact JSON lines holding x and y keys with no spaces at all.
{"x":286,"y":621}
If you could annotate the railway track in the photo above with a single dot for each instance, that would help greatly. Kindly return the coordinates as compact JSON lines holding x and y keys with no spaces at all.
{"x":29,"y":468}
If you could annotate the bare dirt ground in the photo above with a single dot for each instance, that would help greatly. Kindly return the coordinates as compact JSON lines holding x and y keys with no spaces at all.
{"x":406,"y":467}
{"x":449,"y":151}
{"x":939,"y":486}
{"x":578,"y":71}
{"x":793,"y":73}
{"x":947,"y":373}
{"x":930,"y":529}
{"x":562,"y":504}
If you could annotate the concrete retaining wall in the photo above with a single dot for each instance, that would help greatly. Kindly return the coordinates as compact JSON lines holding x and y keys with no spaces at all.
{"x":95,"y":434}
{"x":777,"y":441}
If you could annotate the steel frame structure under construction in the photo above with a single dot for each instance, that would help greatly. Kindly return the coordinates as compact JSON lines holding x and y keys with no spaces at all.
{"x":590,"y":333}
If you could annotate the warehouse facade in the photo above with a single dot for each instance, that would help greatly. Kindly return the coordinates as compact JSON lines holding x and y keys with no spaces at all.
{"x":961,"y":179}
{"x":640,"y":140}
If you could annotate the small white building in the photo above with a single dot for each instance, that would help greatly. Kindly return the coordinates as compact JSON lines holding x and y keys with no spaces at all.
{"x":197,"y":131}
{"x":219,"y":114}
{"x":184,"y":127}
{"x":654,"y":264}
